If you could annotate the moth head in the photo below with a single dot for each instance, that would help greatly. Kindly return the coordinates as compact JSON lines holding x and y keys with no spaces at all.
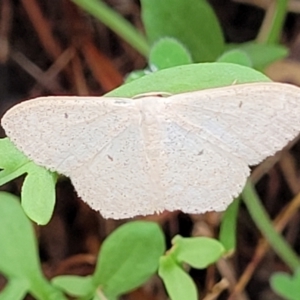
{"x":152,"y":94}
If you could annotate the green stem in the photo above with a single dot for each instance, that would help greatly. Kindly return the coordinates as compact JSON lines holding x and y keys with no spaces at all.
{"x":6,"y":176}
{"x":271,"y":29}
{"x":263,"y":222}
{"x":116,"y":23}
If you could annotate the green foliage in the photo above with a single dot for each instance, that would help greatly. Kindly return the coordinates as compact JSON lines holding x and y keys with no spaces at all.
{"x":261,"y":55}
{"x":134,"y":246}
{"x":12,"y":161}
{"x":194,"y":24}
{"x":19,"y":254}
{"x":38,"y":194}
{"x":228,"y":226}
{"x":118,"y":256}
{"x":16,"y":289}
{"x":236,"y":56}
{"x":198,"y":252}
{"x":38,"y":191}
{"x":167,"y":53}
{"x":75,"y":286}
{"x":286,"y":285}
{"x":187,"y":78}
{"x":178,"y":283}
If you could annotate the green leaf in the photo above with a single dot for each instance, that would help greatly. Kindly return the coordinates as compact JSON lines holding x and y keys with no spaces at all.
{"x":75,"y":285}
{"x":167,"y":53}
{"x":15,"y":289}
{"x":228,"y":226}
{"x":262,"y":55}
{"x":128,"y":257}
{"x":285,"y":285}
{"x":198,"y":252}
{"x":178,"y":283}
{"x":236,"y":56}
{"x":38,"y":190}
{"x":194,"y":24}
{"x":18,"y":251}
{"x":188,"y":78}
{"x":12,"y":161}
{"x":10,"y":157}
{"x":38,"y":194}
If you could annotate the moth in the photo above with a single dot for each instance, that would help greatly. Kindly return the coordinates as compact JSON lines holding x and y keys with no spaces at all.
{"x":188,"y":152}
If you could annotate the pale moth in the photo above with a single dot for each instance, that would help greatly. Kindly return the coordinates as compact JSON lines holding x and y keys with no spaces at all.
{"x":188,"y":152}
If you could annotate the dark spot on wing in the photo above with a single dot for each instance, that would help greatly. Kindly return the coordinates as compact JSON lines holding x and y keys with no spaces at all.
{"x":241,"y":103}
{"x":66,"y":115}
{"x":121,"y":101}
{"x":200,"y":152}
{"x":110,"y":158}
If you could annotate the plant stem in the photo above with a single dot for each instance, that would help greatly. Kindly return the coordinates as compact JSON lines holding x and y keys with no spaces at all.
{"x":100,"y":294}
{"x":271,"y":27}
{"x":116,"y":23}
{"x":263,"y":222}
{"x":9,"y":176}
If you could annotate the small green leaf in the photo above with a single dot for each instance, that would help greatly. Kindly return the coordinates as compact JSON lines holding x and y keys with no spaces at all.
{"x":262,"y":55}
{"x":236,"y":56}
{"x":198,"y":252}
{"x":128,"y":257}
{"x":38,"y":190}
{"x":178,"y":283}
{"x":12,"y":161}
{"x":10,"y":157}
{"x":228,"y":226}
{"x":194,"y":24}
{"x":18,"y":251}
{"x":38,"y":194}
{"x":167,"y":53}
{"x":189,"y":78}
{"x":75,"y":285}
{"x":286,"y":285}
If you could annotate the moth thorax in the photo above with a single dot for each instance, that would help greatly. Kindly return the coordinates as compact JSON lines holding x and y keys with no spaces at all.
{"x":150,"y":108}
